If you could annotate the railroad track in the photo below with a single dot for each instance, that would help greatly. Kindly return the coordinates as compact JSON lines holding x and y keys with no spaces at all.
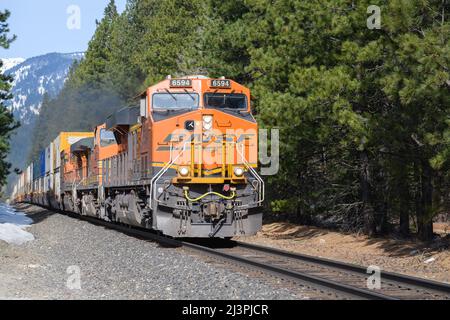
{"x":343,"y":277}
{"x":346,"y":280}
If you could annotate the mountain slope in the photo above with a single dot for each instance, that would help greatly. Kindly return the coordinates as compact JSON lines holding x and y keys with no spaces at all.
{"x":10,"y":63}
{"x":33,"y":78}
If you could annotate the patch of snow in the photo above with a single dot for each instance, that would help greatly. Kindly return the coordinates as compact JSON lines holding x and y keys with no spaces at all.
{"x":429,"y":260}
{"x":41,"y":88}
{"x":35,"y":109}
{"x":18,"y":101}
{"x":10,"y":215}
{"x":14,"y":234}
{"x":20,"y":74}
{"x":10,"y":63}
{"x":76,"y":55}
{"x":13,"y":225}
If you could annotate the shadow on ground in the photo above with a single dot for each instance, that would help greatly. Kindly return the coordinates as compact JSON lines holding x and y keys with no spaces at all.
{"x":403,"y":248}
{"x":37,"y":214}
{"x":287,"y":231}
{"x":393,"y":247}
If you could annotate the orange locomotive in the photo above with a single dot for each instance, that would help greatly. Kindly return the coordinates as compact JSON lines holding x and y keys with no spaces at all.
{"x":182,"y":163}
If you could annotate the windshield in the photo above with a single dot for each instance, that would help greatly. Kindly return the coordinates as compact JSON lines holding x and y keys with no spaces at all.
{"x":107,"y":138}
{"x":175,"y":101}
{"x":226,"y":101}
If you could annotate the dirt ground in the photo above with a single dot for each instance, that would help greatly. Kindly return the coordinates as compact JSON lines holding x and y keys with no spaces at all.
{"x":431,"y":261}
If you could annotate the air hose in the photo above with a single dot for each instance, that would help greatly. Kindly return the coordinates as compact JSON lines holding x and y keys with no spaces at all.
{"x":186,"y":194}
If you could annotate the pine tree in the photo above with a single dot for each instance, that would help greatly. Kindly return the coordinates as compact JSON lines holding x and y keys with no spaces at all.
{"x":126,"y":75}
{"x":93,"y":69}
{"x":225,"y":40}
{"x":171,"y":38}
{"x":356,"y":107}
{"x":7,"y":122}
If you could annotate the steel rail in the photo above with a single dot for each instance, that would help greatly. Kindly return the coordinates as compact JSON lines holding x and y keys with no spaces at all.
{"x":420,"y":283}
{"x":294,"y":275}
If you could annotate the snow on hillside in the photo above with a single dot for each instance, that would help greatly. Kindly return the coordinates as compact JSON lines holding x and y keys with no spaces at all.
{"x":34,"y":77}
{"x":9,"y":63}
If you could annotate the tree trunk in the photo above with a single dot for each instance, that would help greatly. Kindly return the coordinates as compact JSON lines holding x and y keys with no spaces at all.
{"x":404,"y":219}
{"x":367,"y":211}
{"x":424,"y":212}
{"x":403,"y":193}
{"x":383,"y":224}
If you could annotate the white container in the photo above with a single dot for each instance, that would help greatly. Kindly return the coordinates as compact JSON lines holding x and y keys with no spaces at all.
{"x":48,"y":185}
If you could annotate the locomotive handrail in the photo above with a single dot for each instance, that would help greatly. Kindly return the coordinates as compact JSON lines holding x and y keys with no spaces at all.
{"x":261,"y":187}
{"x":78,"y":178}
{"x":162,"y":172}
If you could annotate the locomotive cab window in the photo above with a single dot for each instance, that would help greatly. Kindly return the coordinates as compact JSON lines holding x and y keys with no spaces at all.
{"x":226,"y":101}
{"x":175,"y":101}
{"x":107,"y":138}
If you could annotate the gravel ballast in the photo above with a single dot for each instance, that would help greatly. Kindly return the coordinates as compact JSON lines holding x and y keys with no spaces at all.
{"x":113,"y":265}
{"x":429,"y":260}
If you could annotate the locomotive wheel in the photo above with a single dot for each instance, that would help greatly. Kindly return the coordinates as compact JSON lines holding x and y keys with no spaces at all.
{"x":135,"y":208}
{"x":71,"y":204}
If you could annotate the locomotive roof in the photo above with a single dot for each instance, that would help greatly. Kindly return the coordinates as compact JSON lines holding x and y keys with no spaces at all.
{"x":127,"y":116}
{"x":82,"y":145}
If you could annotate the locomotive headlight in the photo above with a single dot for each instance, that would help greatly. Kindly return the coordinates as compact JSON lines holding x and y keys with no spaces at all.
{"x":183,"y":171}
{"x":207,"y":122}
{"x":238,"y":172}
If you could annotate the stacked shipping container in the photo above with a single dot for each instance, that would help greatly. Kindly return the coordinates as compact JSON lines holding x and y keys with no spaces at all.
{"x":42,"y":179}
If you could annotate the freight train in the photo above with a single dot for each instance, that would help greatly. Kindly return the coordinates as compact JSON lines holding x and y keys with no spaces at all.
{"x":182,"y":161}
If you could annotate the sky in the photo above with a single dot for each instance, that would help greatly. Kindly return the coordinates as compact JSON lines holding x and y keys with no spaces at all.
{"x":44,"y":26}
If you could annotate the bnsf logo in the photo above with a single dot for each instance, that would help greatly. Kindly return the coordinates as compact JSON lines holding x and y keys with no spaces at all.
{"x":207,"y":138}
{"x":178,"y":140}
